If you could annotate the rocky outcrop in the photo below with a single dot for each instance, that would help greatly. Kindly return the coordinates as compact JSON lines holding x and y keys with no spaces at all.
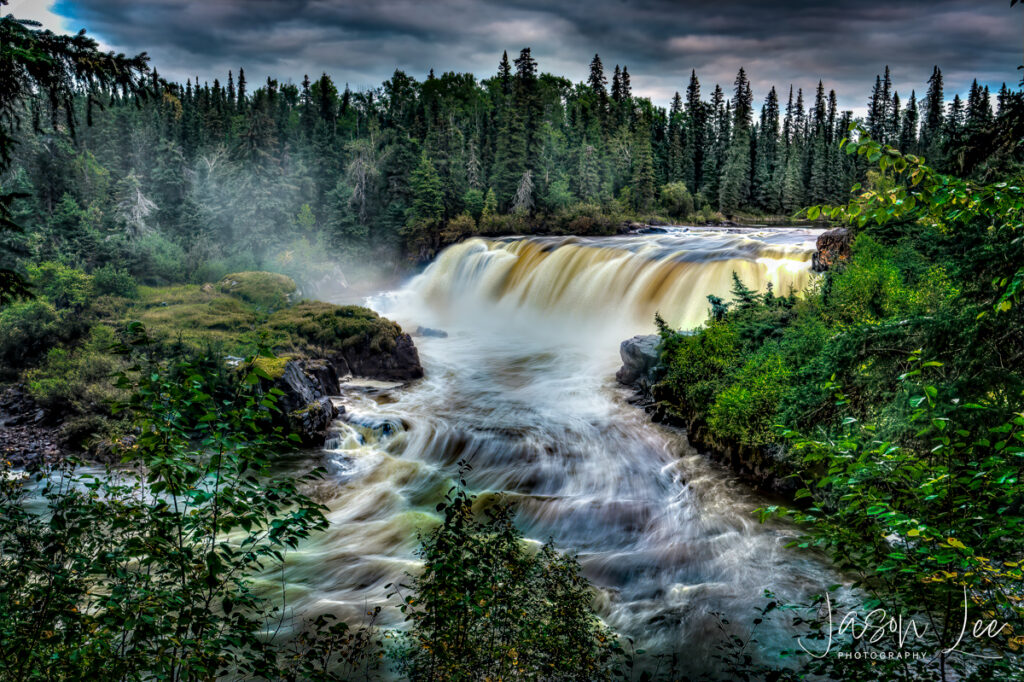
{"x":401,"y":363}
{"x":306,"y":407}
{"x":640,"y":356}
{"x":833,"y":247}
{"x":427,"y":331}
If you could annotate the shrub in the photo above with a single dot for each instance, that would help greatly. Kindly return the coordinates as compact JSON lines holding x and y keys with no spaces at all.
{"x":869,"y":288}
{"x":486,"y":607}
{"x":63,"y":286}
{"x":79,"y":379}
{"x":458,"y":228}
{"x":697,"y":367}
{"x":153,"y":259}
{"x":27,"y":330}
{"x":677,"y":200}
{"x":112,"y":281}
{"x":266,"y":290}
{"x":150,"y":576}
{"x":745,"y":411}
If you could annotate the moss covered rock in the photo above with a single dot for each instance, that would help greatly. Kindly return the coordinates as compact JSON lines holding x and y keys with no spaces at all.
{"x":358,"y":341}
{"x":266,"y":290}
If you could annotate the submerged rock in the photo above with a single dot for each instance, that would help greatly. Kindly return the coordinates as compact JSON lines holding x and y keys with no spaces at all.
{"x":427,"y":331}
{"x":833,"y":247}
{"x":640,"y":356}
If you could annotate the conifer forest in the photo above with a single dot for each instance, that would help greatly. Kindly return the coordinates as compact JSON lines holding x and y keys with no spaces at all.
{"x":462,"y":341}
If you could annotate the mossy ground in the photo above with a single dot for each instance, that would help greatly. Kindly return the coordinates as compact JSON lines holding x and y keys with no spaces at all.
{"x":267,"y":291}
{"x":231,"y":318}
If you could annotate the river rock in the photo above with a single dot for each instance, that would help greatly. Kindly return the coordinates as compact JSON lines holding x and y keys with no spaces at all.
{"x":306,"y":406}
{"x":400,"y":363}
{"x":640,"y":356}
{"x":833,"y":247}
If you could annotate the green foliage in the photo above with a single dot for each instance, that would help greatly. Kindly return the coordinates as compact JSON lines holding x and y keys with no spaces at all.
{"x":149,"y":575}
{"x":924,"y":525}
{"x":745,"y":410}
{"x":697,"y":366}
{"x":27,"y":330}
{"x":63,"y":286}
{"x":487,"y":607}
{"x":677,"y":200}
{"x":316,"y":327}
{"x":79,"y":379}
{"x":111,"y":281}
{"x":871,"y":288}
{"x":154,"y":260}
{"x":266,"y":290}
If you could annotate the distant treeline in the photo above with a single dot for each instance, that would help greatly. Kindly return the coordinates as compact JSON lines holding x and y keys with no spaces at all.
{"x":198,"y":180}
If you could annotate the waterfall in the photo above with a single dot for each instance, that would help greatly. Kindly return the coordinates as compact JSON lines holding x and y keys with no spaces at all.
{"x":522,"y":389}
{"x":622,"y":280}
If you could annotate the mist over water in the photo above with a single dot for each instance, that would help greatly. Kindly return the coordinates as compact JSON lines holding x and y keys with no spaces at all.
{"x":523,"y":389}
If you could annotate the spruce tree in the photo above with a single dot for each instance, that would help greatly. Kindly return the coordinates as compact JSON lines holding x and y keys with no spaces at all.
{"x":908,"y":126}
{"x":933,"y":125}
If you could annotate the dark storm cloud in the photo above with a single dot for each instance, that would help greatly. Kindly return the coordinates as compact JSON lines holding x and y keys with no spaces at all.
{"x":844,"y":42}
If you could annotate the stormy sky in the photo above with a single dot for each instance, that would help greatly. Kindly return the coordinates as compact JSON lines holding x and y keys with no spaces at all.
{"x":845,"y":43}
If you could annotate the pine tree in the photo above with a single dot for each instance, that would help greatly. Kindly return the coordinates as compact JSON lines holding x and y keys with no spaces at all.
{"x":762,"y":192}
{"x":617,"y":85}
{"x":676,"y":152}
{"x":695,"y":138}
{"x":643,"y":172}
{"x":242,"y":96}
{"x":423,"y":223}
{"x":934,"y":120}
{"x":908,"y":127}
{"x":597,"y":80}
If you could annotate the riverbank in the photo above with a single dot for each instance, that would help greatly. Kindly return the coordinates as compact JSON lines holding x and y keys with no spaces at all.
{"x":75,"y":338}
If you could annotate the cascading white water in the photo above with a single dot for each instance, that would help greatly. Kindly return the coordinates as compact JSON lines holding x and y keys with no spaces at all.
{"x":522,"y":388}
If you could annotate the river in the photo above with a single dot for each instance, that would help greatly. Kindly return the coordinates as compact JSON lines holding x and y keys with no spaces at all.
{"x":522,"y":388}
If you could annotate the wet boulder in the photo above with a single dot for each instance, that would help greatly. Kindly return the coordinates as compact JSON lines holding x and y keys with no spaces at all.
{"x":640,"y":356}
{"x":400,"y":362}
{"x":306,"y":407}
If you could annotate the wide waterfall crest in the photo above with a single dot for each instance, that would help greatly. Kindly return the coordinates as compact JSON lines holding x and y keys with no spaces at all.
{"x":625,"y":279}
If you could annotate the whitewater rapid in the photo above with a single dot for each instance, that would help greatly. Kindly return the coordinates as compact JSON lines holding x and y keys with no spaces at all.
{"x":522,"y":389}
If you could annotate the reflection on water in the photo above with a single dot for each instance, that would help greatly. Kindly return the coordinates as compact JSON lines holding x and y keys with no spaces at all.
{"x":522,"y":389}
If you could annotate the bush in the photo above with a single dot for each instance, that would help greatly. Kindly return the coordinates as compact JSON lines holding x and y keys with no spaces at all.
{"x":154,"y":260}
{"x":458,"y":228}
{"x":112,"y":281}
{"x":870,"y":288}
{"x":151,"y":576}
{"x":745,"y":411}
{"x":697,"y":367}
{"x":27,"y":330}
{"x":65,"y":287}
{"x":677,"y":200}
{"x":267,"y":290}
{"x":486,"y":607}
{"x":79,"y":379}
